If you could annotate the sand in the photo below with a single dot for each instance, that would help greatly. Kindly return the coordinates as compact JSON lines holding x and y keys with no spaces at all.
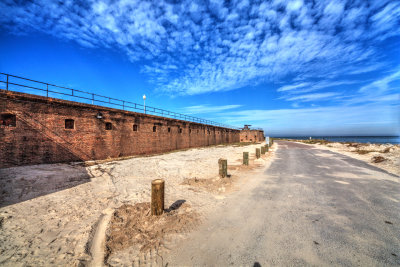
{"x":383,"y":156}
{"x":59,"y":214}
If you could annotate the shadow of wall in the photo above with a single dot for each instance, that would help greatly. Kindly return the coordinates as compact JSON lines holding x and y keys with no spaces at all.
{"x":23,"y":183}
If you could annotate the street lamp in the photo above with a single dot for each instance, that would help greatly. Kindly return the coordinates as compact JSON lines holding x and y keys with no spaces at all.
{"x":144,"y":100}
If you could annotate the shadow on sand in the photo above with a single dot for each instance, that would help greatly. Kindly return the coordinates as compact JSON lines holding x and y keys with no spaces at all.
{"x":18,"y":184}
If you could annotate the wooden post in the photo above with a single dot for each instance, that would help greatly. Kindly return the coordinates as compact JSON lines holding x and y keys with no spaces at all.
{"x":245,"y":158}
{"x":266,"y":148}
{"x":263,"y":150}
{"x":257,"y":153}
{"x":223,"y":167}
{"x":157,"y":197}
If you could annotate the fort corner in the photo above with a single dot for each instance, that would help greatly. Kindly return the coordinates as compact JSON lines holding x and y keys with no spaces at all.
{"x":251,"y":135}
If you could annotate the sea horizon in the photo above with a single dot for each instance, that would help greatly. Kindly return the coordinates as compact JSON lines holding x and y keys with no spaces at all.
{"x":377,"y":139}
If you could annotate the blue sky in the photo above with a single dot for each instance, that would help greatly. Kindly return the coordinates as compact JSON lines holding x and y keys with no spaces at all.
{"x":291,"y":67}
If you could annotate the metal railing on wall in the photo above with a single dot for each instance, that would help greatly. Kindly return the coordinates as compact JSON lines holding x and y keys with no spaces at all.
{"x":25,"y":85}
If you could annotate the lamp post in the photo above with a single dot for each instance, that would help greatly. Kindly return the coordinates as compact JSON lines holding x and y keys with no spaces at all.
{"x":144,"y":101}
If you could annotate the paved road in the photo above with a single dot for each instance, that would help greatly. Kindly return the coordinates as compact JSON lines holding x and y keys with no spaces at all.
{"x":310,"y":207}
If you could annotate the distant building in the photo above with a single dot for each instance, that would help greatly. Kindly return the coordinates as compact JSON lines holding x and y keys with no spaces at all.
{"x":251,"y":135}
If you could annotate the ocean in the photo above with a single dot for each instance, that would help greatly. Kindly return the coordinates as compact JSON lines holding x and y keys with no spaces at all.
{"x":358,"y":139}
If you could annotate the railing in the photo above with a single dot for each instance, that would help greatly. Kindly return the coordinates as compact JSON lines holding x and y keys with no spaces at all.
{"x":253,"y":129}
{"x":66,"y":93}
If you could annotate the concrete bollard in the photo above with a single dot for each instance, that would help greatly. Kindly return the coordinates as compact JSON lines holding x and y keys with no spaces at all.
{"x":157,"y":197}
{"x":223,"y":168}
{"x":263,"y":150}
{"x":257,"y":153}
{"x":266,"y":148}
{"x":245,"y":158}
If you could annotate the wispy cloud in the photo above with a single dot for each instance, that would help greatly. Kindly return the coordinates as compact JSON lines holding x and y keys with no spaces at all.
{"x":203,"y":109}
{"x":314,"y":97}
{"x":192,"y":47}
{"x":382,"y":84}
{"x":296,"y":92}
{"x":292,"y":87}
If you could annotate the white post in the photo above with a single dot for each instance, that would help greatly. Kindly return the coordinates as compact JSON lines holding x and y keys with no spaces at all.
{"x":144,"y":100}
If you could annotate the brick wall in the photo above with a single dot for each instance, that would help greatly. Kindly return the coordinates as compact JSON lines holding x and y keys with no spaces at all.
{"x":252,"y":136}
{"x":40,"y":135}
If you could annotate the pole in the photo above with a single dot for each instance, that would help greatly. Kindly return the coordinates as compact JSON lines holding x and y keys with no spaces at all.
{"x":245,"y":158}
{"x":7,"y":82}
{"x":257,"y":153}
{"x":223,"y":168}
{"x":157,"y":197}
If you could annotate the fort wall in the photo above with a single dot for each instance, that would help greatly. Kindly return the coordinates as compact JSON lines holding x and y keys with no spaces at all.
{"x":255,"y":136}
{"x":36,"y":130}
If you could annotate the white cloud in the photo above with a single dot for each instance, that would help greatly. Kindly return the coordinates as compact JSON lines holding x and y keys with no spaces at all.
{"x":292,"y":87}
{"x":202,"y":109}
{"x":382,"y":84}
{"x":221,"y":46}
{"x":314,"y":97}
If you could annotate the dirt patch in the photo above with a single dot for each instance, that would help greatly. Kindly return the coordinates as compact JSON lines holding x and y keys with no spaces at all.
{"x":214,"y":185}
{"x":377,"y":159}
{"x":364,"y":151}
{"x":133,"y":225}
{"x":355,"y":145}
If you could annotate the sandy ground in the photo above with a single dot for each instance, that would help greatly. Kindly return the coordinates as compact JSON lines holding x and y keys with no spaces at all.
{"x":384,"y":156}
{"x":59,"y":214}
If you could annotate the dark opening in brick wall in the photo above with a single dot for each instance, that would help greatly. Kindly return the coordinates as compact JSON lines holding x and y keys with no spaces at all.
{"x":108,"y":126}
{"x":69,"y":124}
{"x":180,"y":130}
{"x":154,"y":129}
{"x":7,"y":119}
{"x":169,"y":129}
{"x":190,"y":131}
{"x":135,"y":128}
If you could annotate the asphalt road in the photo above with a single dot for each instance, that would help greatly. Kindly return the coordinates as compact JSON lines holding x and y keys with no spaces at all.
{"x":310,"y":207}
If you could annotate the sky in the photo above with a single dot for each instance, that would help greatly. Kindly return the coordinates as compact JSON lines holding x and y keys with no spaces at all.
{"x":290,"y":67}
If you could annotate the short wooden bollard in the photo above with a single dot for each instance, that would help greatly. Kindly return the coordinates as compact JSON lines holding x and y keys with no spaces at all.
{"x":223,"y":168}
{"x":263,"y":150}
{"x":157,"y":197}
{"x":245,"y":158}
{"x":257,"y":153}
{"x":266,"y":148}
